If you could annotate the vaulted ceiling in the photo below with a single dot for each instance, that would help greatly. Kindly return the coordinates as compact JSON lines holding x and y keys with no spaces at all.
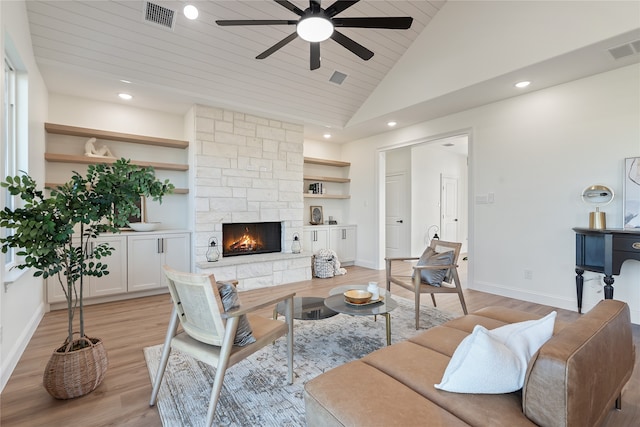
{"x":87,"y":48}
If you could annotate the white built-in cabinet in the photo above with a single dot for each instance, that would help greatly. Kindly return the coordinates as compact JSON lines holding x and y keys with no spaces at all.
{"x":339,"y":238}
{"x":135,"y":265}
{"x":147,"y":255}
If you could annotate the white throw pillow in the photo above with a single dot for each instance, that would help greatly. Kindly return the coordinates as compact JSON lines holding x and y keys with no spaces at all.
{"x":495,"y":361}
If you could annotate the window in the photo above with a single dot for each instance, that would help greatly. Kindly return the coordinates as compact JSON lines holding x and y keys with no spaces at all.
{"x":9,"y":145}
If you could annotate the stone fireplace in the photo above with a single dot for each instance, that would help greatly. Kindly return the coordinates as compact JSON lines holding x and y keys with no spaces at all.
{"x":248,"y":170}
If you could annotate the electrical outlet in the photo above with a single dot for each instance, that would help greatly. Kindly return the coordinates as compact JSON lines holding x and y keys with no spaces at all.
{"x":528,"y":274}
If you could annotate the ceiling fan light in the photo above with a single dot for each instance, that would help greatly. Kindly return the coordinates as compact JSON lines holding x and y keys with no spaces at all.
{"x":314,"y":29}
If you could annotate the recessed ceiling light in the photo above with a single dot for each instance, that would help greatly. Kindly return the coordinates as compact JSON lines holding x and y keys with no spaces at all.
{"x":125,"y":81}
{"x":125,"y":96}
{"x":522,"y":84}
{"x":190,"y":11}
{"x":391,"y":124}
{"x":327,"y":135}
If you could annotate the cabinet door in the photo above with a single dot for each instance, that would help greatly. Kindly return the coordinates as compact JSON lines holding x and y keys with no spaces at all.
{"x":116,"y":281}
{"x":176,"y":253}
{"x":144,"y":262}
{"x":113,"y":283}
{"x":147,"y":255}
{"x":315,"y":238}
{"x":343,"y":242}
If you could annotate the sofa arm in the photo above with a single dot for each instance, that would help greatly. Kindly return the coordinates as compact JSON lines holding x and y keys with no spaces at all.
{"x":576,"y":376}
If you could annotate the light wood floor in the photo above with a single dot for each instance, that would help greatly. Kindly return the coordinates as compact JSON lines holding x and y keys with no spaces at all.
{"x":128,"y":326}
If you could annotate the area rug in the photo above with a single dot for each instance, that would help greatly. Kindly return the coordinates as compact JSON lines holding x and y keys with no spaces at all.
{"x":255,"y":391}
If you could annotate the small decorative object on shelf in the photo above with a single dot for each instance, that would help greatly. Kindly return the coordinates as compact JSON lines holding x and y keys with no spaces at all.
{"x":213,"y":254}
{"x":296,"y":247}
{"x":90,"y":150}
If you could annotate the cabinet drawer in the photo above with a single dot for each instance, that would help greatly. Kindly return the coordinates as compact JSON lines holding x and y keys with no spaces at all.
{"x":627,"y":244}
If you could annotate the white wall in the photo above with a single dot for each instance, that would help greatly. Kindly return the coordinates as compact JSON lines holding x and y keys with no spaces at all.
{"x":536,"y":152}
{"x":22,"y":303}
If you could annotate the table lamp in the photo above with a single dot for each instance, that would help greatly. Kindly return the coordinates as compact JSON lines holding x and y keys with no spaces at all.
{"x":597,"y":195}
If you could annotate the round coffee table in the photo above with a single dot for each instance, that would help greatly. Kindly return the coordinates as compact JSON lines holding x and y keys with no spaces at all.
{"x":337,"y":303}
{"x":306,"y":308}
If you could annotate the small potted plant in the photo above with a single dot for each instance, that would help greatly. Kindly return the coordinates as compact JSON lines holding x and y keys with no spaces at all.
{"x":52,"y":234}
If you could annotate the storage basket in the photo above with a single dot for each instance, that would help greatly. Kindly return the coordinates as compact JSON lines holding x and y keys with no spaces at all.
{"x":324,"y":264}
{"x":71,"y":374}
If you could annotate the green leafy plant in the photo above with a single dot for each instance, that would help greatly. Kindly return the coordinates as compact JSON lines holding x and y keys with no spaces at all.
{"x":52,"y":234}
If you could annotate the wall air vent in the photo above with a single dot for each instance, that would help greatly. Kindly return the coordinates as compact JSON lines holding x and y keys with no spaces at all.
{"x":159,"y":15}
{"x":626,"y":49}
{"x":337,"y":77}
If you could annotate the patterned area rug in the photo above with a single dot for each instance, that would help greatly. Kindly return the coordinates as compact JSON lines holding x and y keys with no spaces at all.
{"x":255,"y":392}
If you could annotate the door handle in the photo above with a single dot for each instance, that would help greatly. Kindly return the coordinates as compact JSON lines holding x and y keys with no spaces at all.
{"x":400,"y":221}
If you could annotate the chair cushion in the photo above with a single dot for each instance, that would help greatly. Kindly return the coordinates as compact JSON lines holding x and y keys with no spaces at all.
{"x":431,"y":257}
{"x":230,"y":300}
{"x":495,"y":361}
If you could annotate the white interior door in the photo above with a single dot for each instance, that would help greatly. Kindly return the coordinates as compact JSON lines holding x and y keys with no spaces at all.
{"x":449,"y":224}
{"x":397,"y":221}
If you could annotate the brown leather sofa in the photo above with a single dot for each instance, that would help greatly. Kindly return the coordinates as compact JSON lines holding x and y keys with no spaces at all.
{"x":575,"y":378}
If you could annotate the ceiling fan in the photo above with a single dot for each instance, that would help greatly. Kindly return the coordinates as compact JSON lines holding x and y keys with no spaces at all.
{"x":317,"y":24}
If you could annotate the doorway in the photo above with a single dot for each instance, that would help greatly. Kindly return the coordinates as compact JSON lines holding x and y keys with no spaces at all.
{"x":436,"y":191}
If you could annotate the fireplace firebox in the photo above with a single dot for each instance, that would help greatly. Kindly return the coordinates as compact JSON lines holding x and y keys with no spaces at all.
{"x":248,"y":238}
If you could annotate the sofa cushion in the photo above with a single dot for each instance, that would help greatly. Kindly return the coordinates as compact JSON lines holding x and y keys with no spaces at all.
{"x":496,"y":361}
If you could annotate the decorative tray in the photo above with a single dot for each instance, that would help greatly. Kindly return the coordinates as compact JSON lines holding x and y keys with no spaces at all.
{"x":375,"y":301}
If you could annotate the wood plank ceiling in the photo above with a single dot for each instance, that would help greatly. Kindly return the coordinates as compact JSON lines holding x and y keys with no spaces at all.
{"x":85,"y":48}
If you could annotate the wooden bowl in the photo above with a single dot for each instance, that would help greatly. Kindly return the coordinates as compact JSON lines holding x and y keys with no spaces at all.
{"x":357,"y":296}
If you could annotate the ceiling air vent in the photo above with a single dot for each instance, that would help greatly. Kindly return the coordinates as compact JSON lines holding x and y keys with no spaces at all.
{"x":337,"y":77}
{"x":159,"y":15}
{"x":626,"y":49}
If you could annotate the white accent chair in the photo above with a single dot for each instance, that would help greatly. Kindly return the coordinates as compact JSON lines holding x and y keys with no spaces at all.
{"x":208,"y":331}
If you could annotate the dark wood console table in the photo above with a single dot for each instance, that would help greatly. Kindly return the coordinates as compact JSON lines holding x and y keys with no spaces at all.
{"x":603,"y":251}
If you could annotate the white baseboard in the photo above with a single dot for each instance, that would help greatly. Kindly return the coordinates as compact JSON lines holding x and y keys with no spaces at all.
{"x":13,"y":357}
{"x":538,"y":298}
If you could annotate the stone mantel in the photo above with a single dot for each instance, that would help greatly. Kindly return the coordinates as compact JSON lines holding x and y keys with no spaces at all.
{"x":260,"y":270}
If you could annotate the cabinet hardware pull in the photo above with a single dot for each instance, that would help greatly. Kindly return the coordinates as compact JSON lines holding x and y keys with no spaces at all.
{"x":160,"y":246}
{"x":636,"y":245}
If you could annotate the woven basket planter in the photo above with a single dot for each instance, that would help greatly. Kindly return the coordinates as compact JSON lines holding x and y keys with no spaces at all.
{"x":71,"y":374}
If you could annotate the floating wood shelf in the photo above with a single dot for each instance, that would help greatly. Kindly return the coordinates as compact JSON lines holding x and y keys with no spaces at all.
{"x":326,"y":196}
{"x":114,"y":136}
{"x":324,"y":162}
{"x":175,"y":190}
{"x":66,"y":158}
{"x":326,"y":179}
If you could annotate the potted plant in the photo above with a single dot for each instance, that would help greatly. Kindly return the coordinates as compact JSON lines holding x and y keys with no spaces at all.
{"x":52,"y":235}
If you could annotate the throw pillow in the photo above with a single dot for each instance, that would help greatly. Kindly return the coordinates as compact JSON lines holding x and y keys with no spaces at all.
{"x":495,"y":361}
{"x":431,"y":257}
{"x":230,"y":300}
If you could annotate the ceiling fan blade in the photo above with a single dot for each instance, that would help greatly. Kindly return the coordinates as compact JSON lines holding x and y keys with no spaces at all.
{"x":390,"y":22}
{"x":315,"y":56}
{"x":230,"y":22}
{"x":293,"y":8}
{"x":338,"y":7}
{"x":278,"y":45}
{"x":352,"y":45}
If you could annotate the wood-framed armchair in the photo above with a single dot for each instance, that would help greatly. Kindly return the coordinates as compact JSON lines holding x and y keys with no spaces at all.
{"x":209,"y":331}
{"x":436,"y":265}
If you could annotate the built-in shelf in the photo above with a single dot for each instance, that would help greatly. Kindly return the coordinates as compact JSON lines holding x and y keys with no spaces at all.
{"x":326,"y":196}
{"x":68,"y":158}
{"x":175,"y":190}
{"x":114,"y":136}
{"x":326,"y":179}
{"x":324,"y":162}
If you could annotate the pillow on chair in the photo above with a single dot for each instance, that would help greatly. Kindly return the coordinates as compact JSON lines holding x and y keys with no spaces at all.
{"x":230,"y":300}
{"x":431,"y":257}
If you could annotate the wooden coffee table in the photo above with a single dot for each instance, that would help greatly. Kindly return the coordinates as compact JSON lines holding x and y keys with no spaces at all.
{"x":337,"y":303}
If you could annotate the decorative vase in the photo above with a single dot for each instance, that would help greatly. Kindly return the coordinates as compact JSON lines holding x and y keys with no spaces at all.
{"x":74,"y":373}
